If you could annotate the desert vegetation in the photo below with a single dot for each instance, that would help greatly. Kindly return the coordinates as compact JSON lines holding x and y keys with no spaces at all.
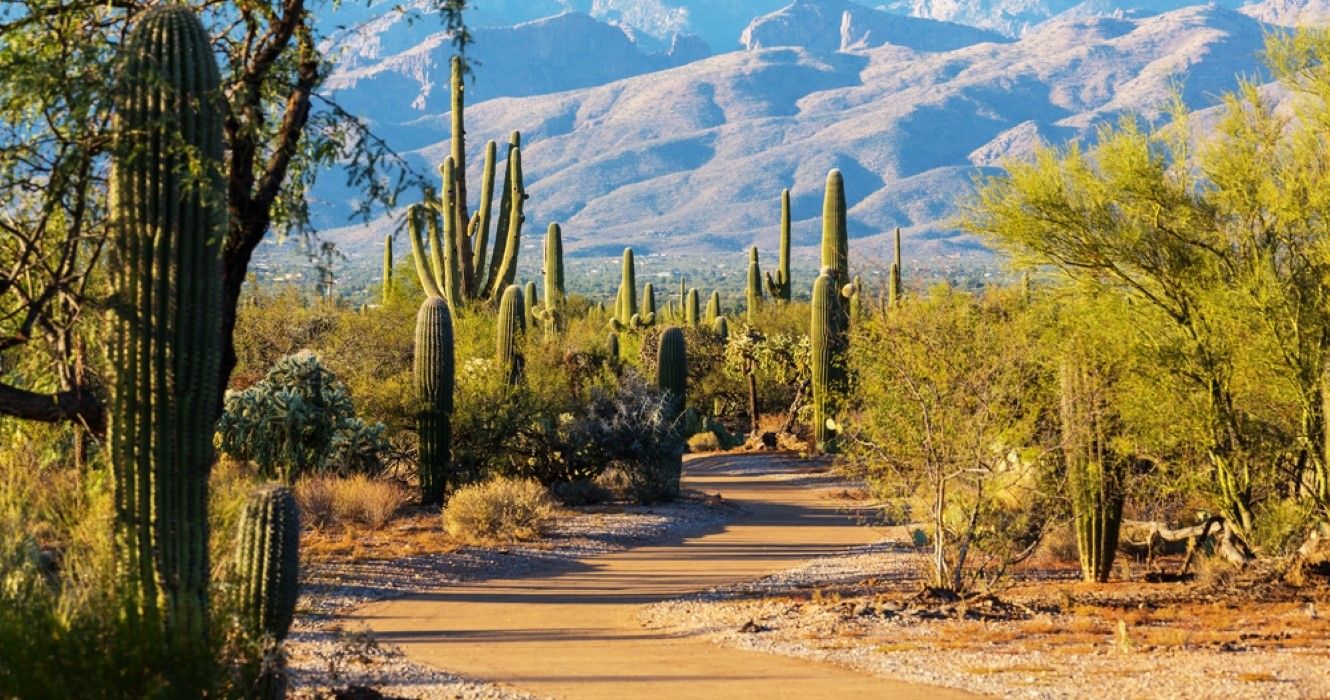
{"x":1150,"y":401}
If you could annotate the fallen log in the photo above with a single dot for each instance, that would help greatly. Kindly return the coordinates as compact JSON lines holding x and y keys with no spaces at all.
{"x":1148,"y":539}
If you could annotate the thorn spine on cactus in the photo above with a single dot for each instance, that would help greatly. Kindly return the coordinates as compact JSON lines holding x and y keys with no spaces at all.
{"x":166,"y":234}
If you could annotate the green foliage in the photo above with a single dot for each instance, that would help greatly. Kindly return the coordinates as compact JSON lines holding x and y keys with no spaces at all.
{"x":166,"y":351}
{"x":499,"y":511}
{"x":299,"y":419}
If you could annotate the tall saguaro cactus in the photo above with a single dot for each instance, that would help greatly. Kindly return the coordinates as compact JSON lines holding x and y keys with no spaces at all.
{"x":827,"y":333}
{"x":457,"y":214}
{"x":1095,"y":473}
{"x":835,"y":234}
{"x":434,"y":373}
{"x":672,"y":370}
{"x":511,"y":325}
{"x":691,"y":308}
{"x":627,"y":299}
{"x":779,"y":286}
{"x":480,"y":221}
{"x":387,"y":267}
{"x":895,"y":291}
{"x":754,"y":285}
{"x":713,"y":307}
{"x":166,"y":275}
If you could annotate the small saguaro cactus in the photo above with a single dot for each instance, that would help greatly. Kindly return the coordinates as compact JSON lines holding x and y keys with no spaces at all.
{"x":779,"y":286}
{"x":166,"y":279}
{"x":511,"y":325}
{"x":267,"y":573}
{"x":721,"y":328}
{"x":754,"y":285}
{"x":1096,"y":474}
{"x":854,"y":293}
{"x":646,"y":317}
{"x":387,"y":267}
{"x":713,"y":307}
{"x":531,"y":303}
{"x":627,"y":299}
{"x":683,"y":291}
{"x":835,"y":234}
{"x":552,"y":312}
{"x":691,"y":308}
{"x":827,"y":333}
{"x":267,"y":560}
{"x":612,"y":350}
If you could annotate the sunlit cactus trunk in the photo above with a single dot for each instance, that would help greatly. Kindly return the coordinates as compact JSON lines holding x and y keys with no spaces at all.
{"x":433,"y":374}
{"x":827,"y":333}
{"x":779,"y":286}
{"x":1095,"y":473}
{"x":166,"y":234}
{"x":754,"y":285}
{"x":509,"y":329}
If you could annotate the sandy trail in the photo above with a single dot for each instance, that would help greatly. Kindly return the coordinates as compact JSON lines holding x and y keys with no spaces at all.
{"x":572,"y":632}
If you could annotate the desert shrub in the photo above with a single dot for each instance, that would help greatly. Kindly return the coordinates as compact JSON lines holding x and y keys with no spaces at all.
{"x":299,"y":418}
{"x":581,"y":492}
{"x":628,"y":428}
{"x":498,"y":510}
{"x":704,"y":442}
{"x":358,"y":499}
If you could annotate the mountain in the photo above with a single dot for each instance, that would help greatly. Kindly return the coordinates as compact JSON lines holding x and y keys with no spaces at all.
{"x":1019,"y":17}
{"x":838,"y":25}
{"x":693,"y":158}
{"x":553,"y":54}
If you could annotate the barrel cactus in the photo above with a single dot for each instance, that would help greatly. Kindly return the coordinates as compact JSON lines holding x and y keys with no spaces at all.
{"x":779,"y":285}
{"x":511,"y":326}
{"x":166,"y":236}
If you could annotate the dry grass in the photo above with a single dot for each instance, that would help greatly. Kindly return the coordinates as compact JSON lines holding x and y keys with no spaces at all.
{"x":499,"y":511}
{"x":414,"y":532}
{"x":356,"y":500}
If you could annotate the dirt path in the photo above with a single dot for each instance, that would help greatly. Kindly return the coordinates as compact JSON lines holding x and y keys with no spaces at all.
{"x":571,"y":633}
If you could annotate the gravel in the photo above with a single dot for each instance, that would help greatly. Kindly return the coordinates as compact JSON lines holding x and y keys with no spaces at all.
{"x":800,"y":613}
{"x":324,"y":655}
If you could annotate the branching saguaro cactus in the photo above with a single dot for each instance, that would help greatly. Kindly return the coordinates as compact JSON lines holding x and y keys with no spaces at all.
{"x":434,"y":374}
{"x":509,"y":329}
{"x":779,"y":286}
{"x":1096,"y":474}
{"x":268,"y":561}
{"x":754,"y":285}
{"x":827,"y":333}
{"x":551,"y":314}
{"x":166,"y":234}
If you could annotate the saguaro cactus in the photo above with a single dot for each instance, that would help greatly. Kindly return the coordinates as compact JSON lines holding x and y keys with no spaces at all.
{"x":505,"y":270}
{"x":551,"y":313}
{"x":672,"y":370}
{"x":721,"y":328}
{"x":434,"y":373}
{"x":713,"y":307}
{"x":835,"y":234}
{"x":1095,"y":473}
{"x":691,"y":309}
{"x":754,"y":285}
{"x":779,"y":286}
{"x":827,"y":333}
{"x":895,"y":291}
{"x":166,"y":235}
{"x":387,"y":267}
{"x":646,"y":317}
{"x":531,"y":303}
{"x":511,"y":325}
{"x":481,"y":228}
{"x":627,"y":300}
{"x":612,"y":349}
{"x":268,"y":561}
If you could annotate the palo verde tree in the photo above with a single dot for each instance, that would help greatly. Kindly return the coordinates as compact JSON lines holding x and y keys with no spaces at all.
{"x":279,"y":130}
{"x":1227,"y":242}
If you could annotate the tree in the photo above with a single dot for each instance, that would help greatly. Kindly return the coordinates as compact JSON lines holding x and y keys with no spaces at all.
{"x":1227,"y":241}
{"x":60,"y":61}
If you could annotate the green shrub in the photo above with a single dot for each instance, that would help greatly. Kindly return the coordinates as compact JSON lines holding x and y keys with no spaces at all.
{"x":499,"y":510}
{"x":704,"y":442}
{"x":628,"y":428}
{"x":298,"y":419}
